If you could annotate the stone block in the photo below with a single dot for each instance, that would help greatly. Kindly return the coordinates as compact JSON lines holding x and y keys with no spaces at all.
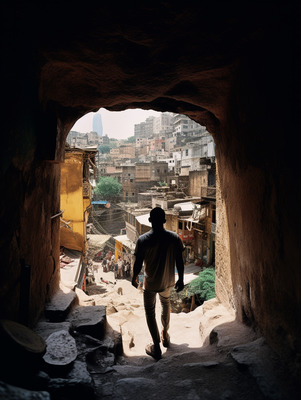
{"x":60,"y":305}
{"x":10,"y":392}
{"x":90,"y":320}
{"x":61,"y":350}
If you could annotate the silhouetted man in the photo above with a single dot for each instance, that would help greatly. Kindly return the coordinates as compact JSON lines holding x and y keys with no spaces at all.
{"x":160,"y":250}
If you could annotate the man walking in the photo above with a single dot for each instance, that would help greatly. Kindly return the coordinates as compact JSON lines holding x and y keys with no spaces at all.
{"x":160,"y":250}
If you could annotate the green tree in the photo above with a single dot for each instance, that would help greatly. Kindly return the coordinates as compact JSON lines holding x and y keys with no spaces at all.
{"x":203,"y":285}
{"x":104,"y":149}
{"x":113,"y":143}
{"x":131,"y":139}
{"x":108,"y":188}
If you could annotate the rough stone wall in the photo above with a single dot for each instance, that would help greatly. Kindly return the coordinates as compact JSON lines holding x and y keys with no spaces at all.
{"x":223,"y":281}
{"x":256,"y":178}
{"x":29,"y":177}
{"x":29,"y":234}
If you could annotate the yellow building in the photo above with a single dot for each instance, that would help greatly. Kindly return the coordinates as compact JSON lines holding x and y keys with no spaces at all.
{"x":77,"y":173}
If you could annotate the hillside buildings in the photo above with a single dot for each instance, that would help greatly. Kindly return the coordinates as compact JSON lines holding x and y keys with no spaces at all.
{"x":83,"y":140}
{"x":170,"y":162}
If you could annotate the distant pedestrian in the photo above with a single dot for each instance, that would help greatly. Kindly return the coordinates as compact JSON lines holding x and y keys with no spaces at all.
{"x":126,"y":269}
{"x":115,"y":270}
{"x":120,"y":265}
{"x":104,"y":265}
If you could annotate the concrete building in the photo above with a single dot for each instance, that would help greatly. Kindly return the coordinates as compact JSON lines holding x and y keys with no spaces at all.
{"x":184,"y":126}
{"x":127,"y":151}
{"x":156,"y":143}
{"x":97,"y":124}
{"x":194,"y":151}
{"x":144,"y":129}
{"x":75,"y":199}
{"x":81,"y":140}
{"x":151,"y":171}
{"x":103,"y":140}
{"x":200,"y":180}
{"x":129,"y":189}
{"x":163,"y":124}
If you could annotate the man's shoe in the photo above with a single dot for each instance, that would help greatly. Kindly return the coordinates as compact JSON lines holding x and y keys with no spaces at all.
{"x":153,"y":351}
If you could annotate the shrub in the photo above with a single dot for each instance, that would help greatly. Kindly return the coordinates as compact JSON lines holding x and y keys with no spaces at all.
{"x":203,"y":285}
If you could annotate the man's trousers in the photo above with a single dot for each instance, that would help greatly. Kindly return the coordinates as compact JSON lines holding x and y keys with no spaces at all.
{"x":150,"y":312}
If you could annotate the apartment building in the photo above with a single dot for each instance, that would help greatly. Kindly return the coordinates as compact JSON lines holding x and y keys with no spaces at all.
{"x":184,"y":126}
{"x":128,"y":175}
{"x":163,"y":124}
{"x":144,"y":129}
{"x":151,"y":171}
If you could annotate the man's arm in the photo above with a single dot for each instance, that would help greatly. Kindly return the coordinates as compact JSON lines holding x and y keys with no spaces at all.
{"x":180,"y":268}
{"x":137,"y":266}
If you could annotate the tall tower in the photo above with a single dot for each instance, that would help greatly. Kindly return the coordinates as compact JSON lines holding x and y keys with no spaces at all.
{"x":97,"y":124}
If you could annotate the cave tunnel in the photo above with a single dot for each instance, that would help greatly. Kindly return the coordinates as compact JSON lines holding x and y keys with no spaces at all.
{"x":230,"y":67}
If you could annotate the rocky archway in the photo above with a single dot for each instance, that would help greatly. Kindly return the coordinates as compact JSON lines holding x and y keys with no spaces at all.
{"x":230,"y":68}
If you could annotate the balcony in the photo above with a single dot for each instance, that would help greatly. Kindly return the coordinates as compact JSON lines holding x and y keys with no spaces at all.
{"x":86,"y":189}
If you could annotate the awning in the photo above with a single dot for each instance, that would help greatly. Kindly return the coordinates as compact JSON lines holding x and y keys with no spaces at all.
{"x":188,"y":219}
{"x":71,"y":268}
{"x":125,"y":241}
{"x":143,"y":220}
{"x":187,"y":206}
{"x":191,"y":272}
{"x":96,"y":243}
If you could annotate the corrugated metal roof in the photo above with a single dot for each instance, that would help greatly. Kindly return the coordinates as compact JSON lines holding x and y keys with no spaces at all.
{"x":143,"y":219}
{"x":187,"y":206}
{"x":125,"y":241}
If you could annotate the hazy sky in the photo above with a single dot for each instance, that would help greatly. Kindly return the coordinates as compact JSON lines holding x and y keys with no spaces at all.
{"x":116,"y":124}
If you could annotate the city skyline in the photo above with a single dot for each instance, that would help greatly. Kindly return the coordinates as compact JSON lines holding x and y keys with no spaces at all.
{"x":116,"y":124}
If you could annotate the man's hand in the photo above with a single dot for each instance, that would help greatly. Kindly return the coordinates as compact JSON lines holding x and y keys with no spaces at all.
{"x":179,"y":285}
{"x":134,"y":281}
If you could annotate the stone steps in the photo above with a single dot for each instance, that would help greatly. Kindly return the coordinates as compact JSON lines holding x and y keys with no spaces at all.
{"x":58,"y":309}
{"x":76,"y":336}
{"x":97,"y":343}
{"x":216,"y":369}
{"x":247,"y":372}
